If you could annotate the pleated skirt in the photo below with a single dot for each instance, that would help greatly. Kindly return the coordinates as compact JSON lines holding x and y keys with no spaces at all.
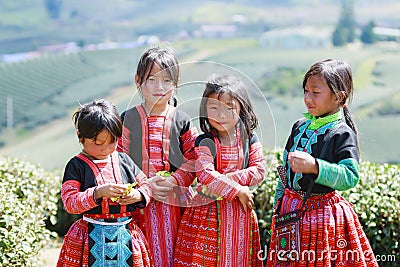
{"x":330,"y":233}
{"x":218,"y":233}
{"x":75,"y":249}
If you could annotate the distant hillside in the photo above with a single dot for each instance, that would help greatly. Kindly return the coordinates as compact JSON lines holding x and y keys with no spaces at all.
{"x":47,"y":90}
{"x":25,"y":25}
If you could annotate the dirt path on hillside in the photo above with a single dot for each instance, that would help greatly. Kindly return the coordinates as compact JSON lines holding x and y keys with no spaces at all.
{"x":201,"y":55}
{"x":50,"y":256}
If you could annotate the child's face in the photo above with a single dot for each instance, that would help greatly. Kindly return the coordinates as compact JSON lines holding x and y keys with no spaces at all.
{"x":223,"y":112}
{"x":319,"y":98}
{"x":100,"y":147}
{"x":158,"y":88}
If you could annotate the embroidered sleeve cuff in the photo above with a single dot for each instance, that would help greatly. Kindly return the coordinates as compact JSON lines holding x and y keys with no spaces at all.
{"x":233,"y":192}
{"x":341,"y":176}
{"x":146,"y":197}
{"x":178,"y":178}
{"x":91,"y":202}
{"x":97,"y":201}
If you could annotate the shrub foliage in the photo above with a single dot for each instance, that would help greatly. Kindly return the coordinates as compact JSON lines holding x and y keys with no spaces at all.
{"x":264,"y":197}
{"x":28,"y":195}
{"x":376,"y":200}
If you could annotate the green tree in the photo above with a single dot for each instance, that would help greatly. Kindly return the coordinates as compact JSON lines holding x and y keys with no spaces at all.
{"x":345,"y":29}
{"x":367,"y":34}
{"x":53,"y":8}
{"x":338,"y":37}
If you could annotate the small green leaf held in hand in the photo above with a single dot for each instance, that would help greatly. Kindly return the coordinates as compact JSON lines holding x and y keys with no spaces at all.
{"x":164,"y":173}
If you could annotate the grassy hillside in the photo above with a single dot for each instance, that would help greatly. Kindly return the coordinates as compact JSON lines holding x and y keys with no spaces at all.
{"x":45,"y":87}
{"x":109,"y":74}
{"x":25,"y":24}
{"x":46,"y":91}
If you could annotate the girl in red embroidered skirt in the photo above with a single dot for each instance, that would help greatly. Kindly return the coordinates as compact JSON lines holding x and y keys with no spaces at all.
{"x":322,"y":147}
{"x":106,"y":187}
{"x":160,"y":138}
{"x":221,"y":229}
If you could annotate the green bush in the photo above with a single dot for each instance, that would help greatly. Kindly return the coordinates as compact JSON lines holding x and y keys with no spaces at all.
{"x":28,"y":195}
{"x":264,"y":197}
{"x":64,"y":219}
{"x":376,"y":200}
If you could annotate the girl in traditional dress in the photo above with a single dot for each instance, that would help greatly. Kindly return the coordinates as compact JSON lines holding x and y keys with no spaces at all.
{"x":322,"y":149}
{"x":160,"y":138}
{"x":105,"y":186}
{"x":221,"y":229}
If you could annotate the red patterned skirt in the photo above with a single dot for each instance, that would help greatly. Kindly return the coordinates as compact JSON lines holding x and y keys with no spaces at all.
{"x":75,"y":248}
{"x":330,"y":233}
{"x":203,"y":234}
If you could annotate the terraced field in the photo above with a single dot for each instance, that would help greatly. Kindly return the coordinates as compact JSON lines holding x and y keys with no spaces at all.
{"x":45,"y":92}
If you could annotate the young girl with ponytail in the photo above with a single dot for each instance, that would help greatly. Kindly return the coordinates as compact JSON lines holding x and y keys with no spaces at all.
{"x":320,"y":158}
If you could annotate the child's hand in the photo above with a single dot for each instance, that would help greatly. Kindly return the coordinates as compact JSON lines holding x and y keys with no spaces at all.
{"x":161,"y":187}
{"x":133,"y":197}
{"x":246,"y":197}
{"x":109,"y":190}
{"x":129,"y":188}
{"x":302,"y":162}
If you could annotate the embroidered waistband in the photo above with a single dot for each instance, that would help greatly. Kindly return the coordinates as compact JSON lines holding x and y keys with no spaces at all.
{"x":102,"y":222}
{"x":302,"y":194}
{"x":108,"y":215}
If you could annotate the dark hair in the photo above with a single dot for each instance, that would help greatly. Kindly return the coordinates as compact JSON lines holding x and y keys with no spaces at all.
{"x":339,"y":78}
{"x":235,"y":88}
{"x":165,"y":58}
{"x":91,"y":118}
